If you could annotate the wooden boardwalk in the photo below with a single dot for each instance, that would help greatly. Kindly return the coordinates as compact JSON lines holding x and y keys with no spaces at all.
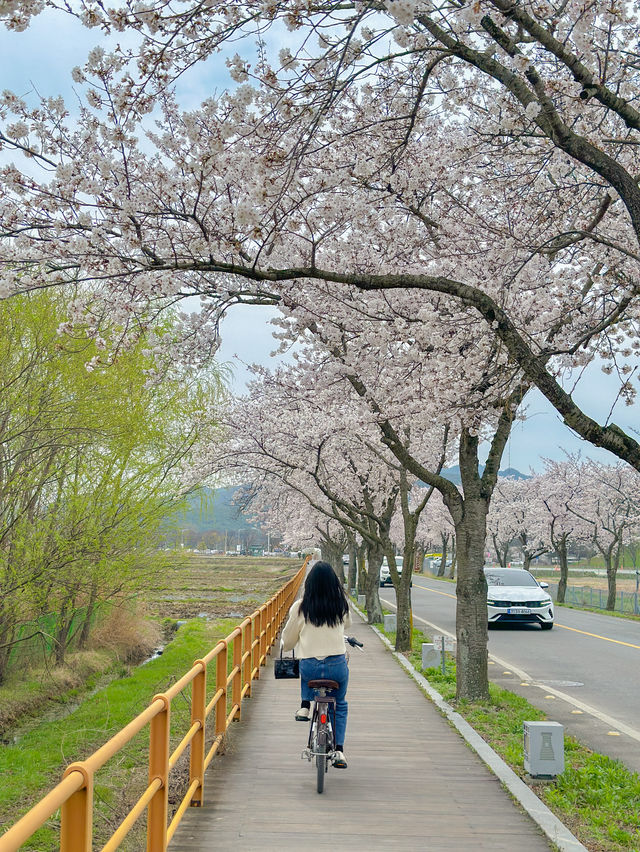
{"x":412,"y":783}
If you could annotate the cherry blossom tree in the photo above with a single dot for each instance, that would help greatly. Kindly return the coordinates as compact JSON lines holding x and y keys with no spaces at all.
{"x":463,"y":177}
{"x":287,"y":429}
{"x":606,"y":503}
{"x":517,"y":512}
{"x":559,"y":488}
{"x":494,"y":140}
{"x":436,"y":527}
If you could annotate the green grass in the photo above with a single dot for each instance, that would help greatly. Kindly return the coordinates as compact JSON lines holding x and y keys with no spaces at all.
{"x":33,"y":765}
{"x":596,"y":797}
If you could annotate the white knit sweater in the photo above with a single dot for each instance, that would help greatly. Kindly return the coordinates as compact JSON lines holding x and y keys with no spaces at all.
{"x":311,"y":641}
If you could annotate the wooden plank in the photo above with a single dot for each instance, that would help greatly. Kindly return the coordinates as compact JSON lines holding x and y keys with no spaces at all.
{"x":410,"y":776}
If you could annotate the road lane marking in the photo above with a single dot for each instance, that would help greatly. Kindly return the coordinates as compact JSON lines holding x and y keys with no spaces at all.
{"x":597,"y":636}
{"x":557,"y":624}
{"x":609,"y":721}
{"x":435,"y":591}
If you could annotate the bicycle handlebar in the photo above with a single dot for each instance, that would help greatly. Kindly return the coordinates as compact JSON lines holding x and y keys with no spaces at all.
{"x":353,"y":642}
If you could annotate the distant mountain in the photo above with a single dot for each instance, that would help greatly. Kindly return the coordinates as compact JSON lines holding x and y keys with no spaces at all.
{"x":453,"y":474}
{"x":213,"y":509}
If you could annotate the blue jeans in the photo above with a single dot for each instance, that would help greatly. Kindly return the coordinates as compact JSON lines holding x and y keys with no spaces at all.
{"x":331,"y":668}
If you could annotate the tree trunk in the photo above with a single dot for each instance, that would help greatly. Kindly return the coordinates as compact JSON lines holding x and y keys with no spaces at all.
{"x":564,"y":568}
{"x":501,"y":552}
{"x":6,"y":639}
{"x":612,"y":561}
{"x":454,"y":558}
{"x":373,"y":605}
{"x":470,"y":518}
{"x":62,"y":638}
{"x":338,"y":567}
{"x":64,"y":622}
{"x":353,"y":569}
{"x":471,"y":608}
{"x":404,"y":619}
{"x":332,"y":553}
{"x":362,"y":569}
{"x":443,"y":558}
{"x":88,"y":616}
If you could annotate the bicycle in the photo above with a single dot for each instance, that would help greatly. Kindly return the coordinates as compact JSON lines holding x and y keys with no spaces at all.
{"x":321,"y":744}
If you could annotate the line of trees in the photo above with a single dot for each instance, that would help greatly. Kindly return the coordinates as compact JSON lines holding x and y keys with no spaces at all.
{"x":442,"y":198}
{"x":91,"y":465}
{"x":573,"y":503}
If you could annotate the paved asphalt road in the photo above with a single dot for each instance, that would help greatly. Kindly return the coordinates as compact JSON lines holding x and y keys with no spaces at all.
{"x":585,"y":673}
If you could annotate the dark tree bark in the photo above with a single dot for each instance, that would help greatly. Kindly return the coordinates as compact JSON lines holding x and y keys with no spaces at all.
{"x":375,"y":555}
{"x":561,"y":550}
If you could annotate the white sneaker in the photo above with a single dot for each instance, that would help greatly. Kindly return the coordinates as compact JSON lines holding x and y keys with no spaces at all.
{"x":339,"y":760}
{"x":303,"y":714}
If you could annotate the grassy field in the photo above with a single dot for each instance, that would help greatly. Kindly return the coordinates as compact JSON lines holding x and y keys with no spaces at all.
{"x":625,"y":584}
{"x":596,"y":797}
{"x":209,"y":597}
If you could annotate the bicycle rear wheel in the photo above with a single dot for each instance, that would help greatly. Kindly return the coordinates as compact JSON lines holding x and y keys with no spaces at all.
{"x":321,"y":765}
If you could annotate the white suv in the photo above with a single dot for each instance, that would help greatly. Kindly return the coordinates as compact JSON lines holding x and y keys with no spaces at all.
{"x":514,"y":595}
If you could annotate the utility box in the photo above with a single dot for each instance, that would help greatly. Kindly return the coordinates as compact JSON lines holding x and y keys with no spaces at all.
{"x":431,"y":656}
{"x":543,"y":749}
{"x":362,"y":600}
{"x":390,"y":622}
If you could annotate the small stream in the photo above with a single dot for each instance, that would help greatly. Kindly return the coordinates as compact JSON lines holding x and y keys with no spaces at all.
{"x":60,"y":709}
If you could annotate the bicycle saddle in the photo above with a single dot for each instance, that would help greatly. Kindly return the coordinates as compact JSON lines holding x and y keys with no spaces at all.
{"x":327,"y":684}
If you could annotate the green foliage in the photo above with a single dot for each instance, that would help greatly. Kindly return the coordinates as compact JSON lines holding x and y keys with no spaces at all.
{"x":35,"y":763}
{"x":91,"y":459}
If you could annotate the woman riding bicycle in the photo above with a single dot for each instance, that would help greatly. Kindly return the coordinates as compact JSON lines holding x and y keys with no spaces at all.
{"x":316,"y":629}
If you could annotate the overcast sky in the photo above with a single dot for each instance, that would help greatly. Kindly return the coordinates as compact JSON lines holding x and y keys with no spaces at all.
{"x":34,"y":60}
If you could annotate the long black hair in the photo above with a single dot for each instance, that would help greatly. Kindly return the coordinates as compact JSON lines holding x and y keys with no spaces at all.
{"x":324,"y":600}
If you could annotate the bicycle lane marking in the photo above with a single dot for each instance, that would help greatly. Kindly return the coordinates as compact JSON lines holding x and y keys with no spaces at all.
{"x":570,"y":699}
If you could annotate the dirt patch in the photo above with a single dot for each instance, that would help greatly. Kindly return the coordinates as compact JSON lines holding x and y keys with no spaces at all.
{"x":219,"y":587}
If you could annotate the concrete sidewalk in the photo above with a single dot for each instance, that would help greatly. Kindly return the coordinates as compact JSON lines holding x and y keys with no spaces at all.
{"x":412,"y":782}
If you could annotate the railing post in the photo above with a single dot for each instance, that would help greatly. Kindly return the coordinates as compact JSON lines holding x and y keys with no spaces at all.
{"x":159,"y":768}
{"x":272,"y":622}
{"x":236,"y":685}
{"x":221,"y":684}
{"x":246,"y":667}
{"x":196,"y":754}
{"x":263,"y":634}
{"x":255,"y":642}
{"x":76,"y":814}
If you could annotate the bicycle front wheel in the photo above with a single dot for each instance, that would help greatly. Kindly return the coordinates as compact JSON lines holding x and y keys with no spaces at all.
{"x":321,"y":766}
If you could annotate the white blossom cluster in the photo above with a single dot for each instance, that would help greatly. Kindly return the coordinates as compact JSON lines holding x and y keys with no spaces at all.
{"x":382,"y":208}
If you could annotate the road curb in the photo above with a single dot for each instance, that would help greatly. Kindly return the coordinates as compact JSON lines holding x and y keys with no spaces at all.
{"x":553,"y":828}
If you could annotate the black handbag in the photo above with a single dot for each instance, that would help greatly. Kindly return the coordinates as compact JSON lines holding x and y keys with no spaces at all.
{"x":286,"y":667}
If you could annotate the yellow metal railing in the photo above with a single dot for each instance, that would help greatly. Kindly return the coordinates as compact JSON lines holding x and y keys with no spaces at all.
{"x":249,"y":645}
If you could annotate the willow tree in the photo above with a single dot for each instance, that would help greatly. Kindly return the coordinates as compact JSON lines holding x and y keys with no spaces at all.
{"x":92,"y":462}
